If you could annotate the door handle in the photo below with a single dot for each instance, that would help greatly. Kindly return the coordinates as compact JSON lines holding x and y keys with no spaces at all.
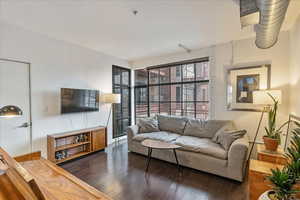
{"x":25,"y":125}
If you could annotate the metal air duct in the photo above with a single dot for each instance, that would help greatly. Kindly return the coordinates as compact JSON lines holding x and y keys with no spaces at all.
{"x":272,"y":14}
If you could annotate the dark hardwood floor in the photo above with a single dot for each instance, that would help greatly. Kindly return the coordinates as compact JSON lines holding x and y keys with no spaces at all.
{"x":122,"y":176}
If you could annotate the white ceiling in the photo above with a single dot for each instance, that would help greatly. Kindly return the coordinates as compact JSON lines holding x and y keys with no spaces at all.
{"x":109,"y":26}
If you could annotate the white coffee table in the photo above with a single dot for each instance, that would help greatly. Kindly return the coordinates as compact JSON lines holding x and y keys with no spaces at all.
{"x":156,"y":144}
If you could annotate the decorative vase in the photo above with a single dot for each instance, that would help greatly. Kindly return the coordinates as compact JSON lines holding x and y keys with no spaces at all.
{"x":268,"y":195}
{"x":271,"y":144}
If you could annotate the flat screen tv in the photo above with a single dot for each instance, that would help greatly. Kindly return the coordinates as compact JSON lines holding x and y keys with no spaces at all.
{"x":78,"y":100}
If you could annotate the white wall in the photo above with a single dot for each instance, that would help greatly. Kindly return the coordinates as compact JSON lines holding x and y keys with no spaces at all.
{"x":245,"y":54}
{"x":57,"y":64}
{"x":295,"y":68}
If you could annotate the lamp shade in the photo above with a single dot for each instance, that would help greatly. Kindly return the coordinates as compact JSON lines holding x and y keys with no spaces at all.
{"x":110,"y":98}
{"x":10,"y":111}
{"x":262,"y":97}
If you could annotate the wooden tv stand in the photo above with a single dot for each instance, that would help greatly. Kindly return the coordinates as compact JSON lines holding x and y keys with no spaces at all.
{"x":70,"y":145}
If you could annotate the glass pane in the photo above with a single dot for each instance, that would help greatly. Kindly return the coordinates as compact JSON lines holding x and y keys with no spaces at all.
{"x":141,"y":95}
{"x":165,"y":93}
{"x":117,"y":127}
{"x":176,"y":74}
{"x":202,"y":110}
{"x":176,"y":93}
{"x":165,"y":108}
{"x":141,"y":110}
{"x":202,"y":91}
{"x":164,"y":74}
{"x":189,"y":109}
{"x":153,"y":76}
{"x":154,"y":93}
{"x":117,"y":76}
{"x":202,"y":71}
{"x":125,"y":78}
{"x":188,"y":72}
{"x":117,"y":111}
{"x":141,"y":105}
{"x":154,"y":107}
{"x":141,"y":77}
{"x":125,"y":102}
{"x":125,"y":124}
{"x":176,"y":109}
{"x":188,"y":92}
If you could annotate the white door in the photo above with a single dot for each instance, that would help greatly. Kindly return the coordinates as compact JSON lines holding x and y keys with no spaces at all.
{"x":14,"y":90}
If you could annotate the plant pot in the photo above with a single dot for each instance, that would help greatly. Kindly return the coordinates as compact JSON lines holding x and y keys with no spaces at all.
{"x":271,"y":144}
{"x":268,"y":195}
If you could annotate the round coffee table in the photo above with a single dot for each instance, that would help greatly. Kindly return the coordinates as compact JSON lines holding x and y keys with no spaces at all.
{"x":156,"y":144}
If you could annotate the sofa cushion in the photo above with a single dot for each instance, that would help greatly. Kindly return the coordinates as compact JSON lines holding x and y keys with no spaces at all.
{"x":172,"y":124}
{"x":161,"y":135}
{"x":226,"y":138}
{"x":148,"y":125}
{"x":201,"y":145}
{"x":204,"y":129}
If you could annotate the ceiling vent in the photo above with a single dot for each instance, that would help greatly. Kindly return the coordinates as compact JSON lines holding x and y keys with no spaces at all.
{"x":271,"y":14}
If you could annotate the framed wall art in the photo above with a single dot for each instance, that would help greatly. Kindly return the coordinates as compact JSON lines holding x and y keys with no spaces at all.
{"x":241,"y":82}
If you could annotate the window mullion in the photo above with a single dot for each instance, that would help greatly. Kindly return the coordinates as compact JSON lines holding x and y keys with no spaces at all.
{"x":161,"y":87}
{"x":195,"y":90}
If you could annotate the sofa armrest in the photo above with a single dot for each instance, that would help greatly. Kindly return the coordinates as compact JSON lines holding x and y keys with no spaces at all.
{"x":237,"y":158}
{"x":132,"y":131}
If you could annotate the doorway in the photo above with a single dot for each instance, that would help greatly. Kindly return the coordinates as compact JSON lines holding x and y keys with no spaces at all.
{"x":15,"y":89}
{"x":121,"y":79}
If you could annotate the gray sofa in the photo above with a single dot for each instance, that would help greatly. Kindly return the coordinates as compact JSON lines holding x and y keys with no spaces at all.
{"x":198,"y":150}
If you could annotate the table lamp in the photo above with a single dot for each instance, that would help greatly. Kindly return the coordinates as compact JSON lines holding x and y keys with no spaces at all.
{"x":262,"y":97}
{"x":110,"y":98}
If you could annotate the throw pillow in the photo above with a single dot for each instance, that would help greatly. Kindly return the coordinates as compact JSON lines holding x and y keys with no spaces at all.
{"x":226,"y":138}
{"x":148,"y":125}
{"x":204,"y":129}
{"x":174,"y":124}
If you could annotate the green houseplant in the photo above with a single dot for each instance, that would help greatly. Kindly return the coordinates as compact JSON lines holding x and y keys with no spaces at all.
{"x":283,"y":181}
{"x":283,"y":185}
{"x":272,"y":138}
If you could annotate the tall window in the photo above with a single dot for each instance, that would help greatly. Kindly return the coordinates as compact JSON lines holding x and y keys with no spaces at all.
{"x":175,"y":89}
{"x":121,"y":112}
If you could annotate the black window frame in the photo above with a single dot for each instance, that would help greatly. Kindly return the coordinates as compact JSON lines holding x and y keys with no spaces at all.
{"x":170,"y":83}
{"x":120,"y":86}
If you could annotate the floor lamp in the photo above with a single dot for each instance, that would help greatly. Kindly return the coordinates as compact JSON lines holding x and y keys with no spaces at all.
{"x":9,"y":111}
{"x":109,"y":98}
{"x":262,"y":98}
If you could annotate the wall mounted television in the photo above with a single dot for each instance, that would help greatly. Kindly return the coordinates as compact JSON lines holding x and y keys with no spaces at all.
{"x":79,"y":100}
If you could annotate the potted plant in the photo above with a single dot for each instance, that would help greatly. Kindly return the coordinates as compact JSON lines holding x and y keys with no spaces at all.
{"x":272,"y":138}
{"x":284,"y":181}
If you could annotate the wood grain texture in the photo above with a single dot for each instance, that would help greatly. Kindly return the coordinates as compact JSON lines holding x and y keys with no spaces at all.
{"x":98,"y":139}
{"x":58,"y":184}
{"x":15,"y":179}
{"x":258,"y":171}
{"x":8,"y":191}
{"x":30,"y":156}
{"x":121,"y":175}
{"x":273,"y":157}
{"x":46,"y":181}
{"x":76,"y":132}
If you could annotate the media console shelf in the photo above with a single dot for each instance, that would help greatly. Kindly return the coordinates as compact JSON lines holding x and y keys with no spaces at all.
{"x":70,"y":145}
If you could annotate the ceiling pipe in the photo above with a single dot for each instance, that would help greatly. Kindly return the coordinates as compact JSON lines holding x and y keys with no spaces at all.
{"x":272,"y":14}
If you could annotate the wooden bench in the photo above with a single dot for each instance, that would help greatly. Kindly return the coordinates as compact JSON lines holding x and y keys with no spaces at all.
{"x":52,"y":181}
